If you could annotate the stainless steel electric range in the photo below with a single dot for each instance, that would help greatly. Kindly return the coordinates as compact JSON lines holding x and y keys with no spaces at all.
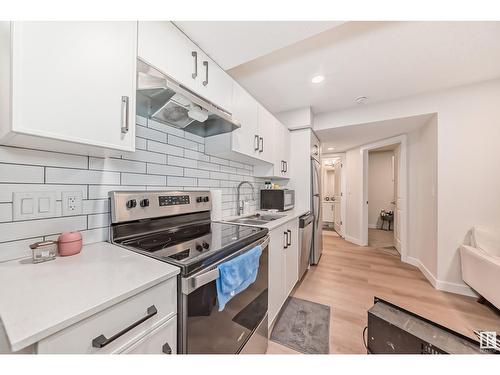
{"x":175,"y":227}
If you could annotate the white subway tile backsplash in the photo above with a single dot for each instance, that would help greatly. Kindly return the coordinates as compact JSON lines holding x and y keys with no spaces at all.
{"x":98,"y":221}
{"x":149,"y":133}
{"x":181,"y":181}
{"x":182,"y":142}
{"x":5,"y":212}
{"x":166,"y":170}
{"x":95,"y":206}
{"x":164,"y":148}
{"x":20,"y":173}
{"x":166,"y":159}
{"x":141,"y":179}
{"x":147,"y":156}
{"x":102,"y":191}
{"x":182,"y":162}
{"x":6,"y":190}
{"x":117,"y":165}
{"x":80,"y":176}
{"x":18,"y":230}
{"x":196,"y":173}
{"x":35,"y":157}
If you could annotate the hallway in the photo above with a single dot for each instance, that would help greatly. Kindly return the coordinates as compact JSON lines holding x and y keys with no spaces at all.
{"x":349,"y":276}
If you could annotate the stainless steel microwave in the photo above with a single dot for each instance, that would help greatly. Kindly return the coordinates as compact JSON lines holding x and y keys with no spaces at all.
{"x":277,"y":199}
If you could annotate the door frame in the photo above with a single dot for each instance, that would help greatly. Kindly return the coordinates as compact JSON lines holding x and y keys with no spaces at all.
{"x":403,"y":189}
{"x":343,"y":187}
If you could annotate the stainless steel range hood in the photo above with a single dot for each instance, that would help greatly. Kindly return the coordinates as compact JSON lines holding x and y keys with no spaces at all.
{"x":161,"y":98}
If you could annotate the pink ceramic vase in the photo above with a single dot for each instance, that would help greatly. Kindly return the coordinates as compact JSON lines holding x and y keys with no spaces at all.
{"x":69,"y":243}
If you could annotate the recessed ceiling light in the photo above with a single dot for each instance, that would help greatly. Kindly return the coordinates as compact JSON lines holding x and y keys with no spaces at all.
{"x":360,"y":99}
{"x":318,"y":79}
{"x":331,"y":148}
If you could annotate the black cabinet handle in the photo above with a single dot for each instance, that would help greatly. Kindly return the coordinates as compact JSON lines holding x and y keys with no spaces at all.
{"x":166,"y":349}
{"x":101,"y":341}
{"x":286,"y":240}
{"x":289,"y":238}
{"x":256,"y":143}
{"x":205,"y":64}
{"x":286,"y":166}
{"x":261,"y":144}
{"x":282,"y":166}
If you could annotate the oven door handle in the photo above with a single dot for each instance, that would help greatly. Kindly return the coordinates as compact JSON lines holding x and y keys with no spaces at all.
{"x":192,"y":283}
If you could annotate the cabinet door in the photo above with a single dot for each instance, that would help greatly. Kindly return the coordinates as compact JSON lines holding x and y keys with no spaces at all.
{"x":246,"y":111}
{"x":292,"y":258}
{"x":162,"y":340}
{"x":69,"y":78}
{"x":166,"y":48}
{"x":213,"y":83}
{"x":276,"y":271}
{"x":285,"y":149}
{"x":267,"y":124}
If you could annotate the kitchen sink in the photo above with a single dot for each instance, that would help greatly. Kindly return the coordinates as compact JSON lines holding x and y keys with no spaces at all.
{"x":257,"y":219}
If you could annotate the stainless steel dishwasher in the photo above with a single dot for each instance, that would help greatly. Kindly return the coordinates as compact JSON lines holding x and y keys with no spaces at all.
{"x":305,"y":241}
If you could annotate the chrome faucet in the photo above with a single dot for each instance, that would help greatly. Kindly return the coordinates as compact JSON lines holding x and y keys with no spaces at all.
{"x":239,"y":209}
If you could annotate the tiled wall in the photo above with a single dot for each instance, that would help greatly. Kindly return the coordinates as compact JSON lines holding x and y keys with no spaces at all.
{"x":166,"y":159}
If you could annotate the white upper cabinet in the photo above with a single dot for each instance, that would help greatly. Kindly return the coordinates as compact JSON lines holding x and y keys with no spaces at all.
{"x":267,"y":124}
{"x":162,"y":45}
{"x":280,"y":149}
{"x":245,"y":110}
{"x":70,"y":82}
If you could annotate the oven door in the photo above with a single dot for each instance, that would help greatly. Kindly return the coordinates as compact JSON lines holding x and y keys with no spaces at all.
{"x":206,"y":330}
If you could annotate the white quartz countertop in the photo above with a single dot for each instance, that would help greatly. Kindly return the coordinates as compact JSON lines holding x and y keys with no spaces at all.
{"x":286,"y":217}
{"x":37,"y":300}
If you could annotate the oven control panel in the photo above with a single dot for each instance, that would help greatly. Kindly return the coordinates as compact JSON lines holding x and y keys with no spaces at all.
{"x":138,"y":205}
{"x":172,"y":200}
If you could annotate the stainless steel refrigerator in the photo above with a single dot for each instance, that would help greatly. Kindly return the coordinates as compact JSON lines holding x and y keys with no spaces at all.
{"x":317,"y":245}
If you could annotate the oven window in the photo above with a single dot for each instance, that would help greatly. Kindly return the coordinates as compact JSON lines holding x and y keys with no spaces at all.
{"x":225,"y":332}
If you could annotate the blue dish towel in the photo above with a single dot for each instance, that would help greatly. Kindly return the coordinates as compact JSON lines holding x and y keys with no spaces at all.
{"x":236,"y":275}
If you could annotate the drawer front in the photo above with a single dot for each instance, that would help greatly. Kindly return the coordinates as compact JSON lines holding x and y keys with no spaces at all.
{"x":163,"y":340}
{"x":78,"y":338}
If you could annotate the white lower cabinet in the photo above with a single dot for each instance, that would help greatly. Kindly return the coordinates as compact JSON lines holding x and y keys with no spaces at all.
{"x":128,"y":326}
{"x":162,"y":340}
{"x":283,"y":265}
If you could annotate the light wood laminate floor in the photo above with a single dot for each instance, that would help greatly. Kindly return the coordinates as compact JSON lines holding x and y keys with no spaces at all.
{"x":349,"y":276}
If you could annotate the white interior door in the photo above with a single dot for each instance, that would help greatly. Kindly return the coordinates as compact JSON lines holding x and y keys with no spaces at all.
{"x":337,"y":196}
{"x":398,"y":199}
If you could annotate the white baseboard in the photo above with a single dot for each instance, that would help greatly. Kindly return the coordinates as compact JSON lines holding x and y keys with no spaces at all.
{"x":354,"y":240}
{"x":445,"y":286}
{"x":372,"y":226}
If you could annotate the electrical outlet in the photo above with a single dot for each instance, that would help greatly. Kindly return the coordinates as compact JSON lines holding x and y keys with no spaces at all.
{"x":71,"y":203}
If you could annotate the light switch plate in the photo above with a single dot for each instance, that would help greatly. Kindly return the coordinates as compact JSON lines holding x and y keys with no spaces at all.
{"x":33,"y":205}
{"x":71,"y":203}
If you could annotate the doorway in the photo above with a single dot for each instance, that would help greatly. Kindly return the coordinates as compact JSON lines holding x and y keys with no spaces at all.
{"x":382,"y":192}
{"x":332,"y":200}
{"x":384,"y":210}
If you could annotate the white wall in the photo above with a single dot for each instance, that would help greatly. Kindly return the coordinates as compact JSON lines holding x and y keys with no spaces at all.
{"x":422,"y":198}
{"x":468,"y":136}
{"x":380,"y":185}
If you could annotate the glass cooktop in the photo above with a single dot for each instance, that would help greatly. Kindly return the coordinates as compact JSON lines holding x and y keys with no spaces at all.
{"x":194,"y":246}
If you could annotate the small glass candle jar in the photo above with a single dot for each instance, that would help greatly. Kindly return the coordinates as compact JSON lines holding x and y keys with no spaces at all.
{"x":44,"y":251}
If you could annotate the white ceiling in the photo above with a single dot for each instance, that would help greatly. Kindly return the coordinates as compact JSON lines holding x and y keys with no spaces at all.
{"x":380,"y":60}
{"x":231,"y":43}
{"x":348,"y":137}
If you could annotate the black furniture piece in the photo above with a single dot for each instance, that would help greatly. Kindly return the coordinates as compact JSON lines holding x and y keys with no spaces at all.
{"x":394,"y":330}
{"x":386,"y":217}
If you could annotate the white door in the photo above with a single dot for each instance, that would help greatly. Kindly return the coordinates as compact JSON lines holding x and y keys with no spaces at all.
{"x":213,"y":83}
{"x":398,"y":199}
{"x":163,"y":46}
{"x":276,"y":271}
{"x":246,"y":111}
{"x":267,"y":123}
{"x":75,"y":81}
{"x":291,"y":258}
{"x":328,"y":208}
{"x":337,"y":196}
{"x":163,"y":340}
